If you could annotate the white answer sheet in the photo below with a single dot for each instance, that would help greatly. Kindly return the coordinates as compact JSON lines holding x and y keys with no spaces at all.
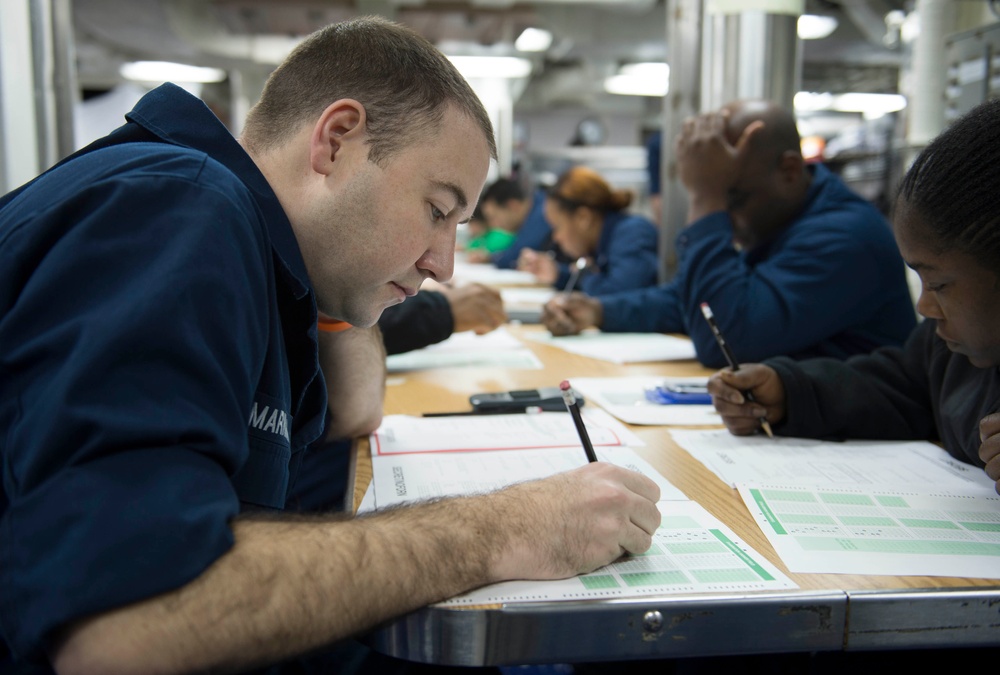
{"x":803,"y":461}
{"x":403,"y":478}
{"x":880,"y":530}
{"x":406,"y":433}
{"x":621,"y":347}
{"x":496,"y":349}
{"x":692,"y":552}
{"x":486,"y":273}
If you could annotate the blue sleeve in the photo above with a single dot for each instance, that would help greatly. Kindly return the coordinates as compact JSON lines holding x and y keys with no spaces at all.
{"x":562,"y":277}
{"x":655,"y":309}
{"x":131,"y":351}
{"x":817,"y":281}
{"x":631,"y":260}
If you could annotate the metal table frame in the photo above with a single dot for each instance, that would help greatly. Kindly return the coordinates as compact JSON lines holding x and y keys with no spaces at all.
{"x":694,"y":625}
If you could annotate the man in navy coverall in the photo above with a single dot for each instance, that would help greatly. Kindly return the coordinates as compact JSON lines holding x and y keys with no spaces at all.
{"x":162,"y":375}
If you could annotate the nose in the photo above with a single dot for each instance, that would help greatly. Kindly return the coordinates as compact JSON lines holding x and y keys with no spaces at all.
{"x":438,"y":261}
{"x":927,"y":305}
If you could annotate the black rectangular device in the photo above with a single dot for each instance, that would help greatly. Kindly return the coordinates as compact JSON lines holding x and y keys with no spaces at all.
{"x":519,"y":400}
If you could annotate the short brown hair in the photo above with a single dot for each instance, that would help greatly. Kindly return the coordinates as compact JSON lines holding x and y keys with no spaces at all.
{"x":401,"y":79}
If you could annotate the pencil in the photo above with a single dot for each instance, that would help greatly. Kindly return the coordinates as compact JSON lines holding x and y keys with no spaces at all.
{"x":574,"y":411}
{"x":731,"y":358}
{"x":574,"y":274}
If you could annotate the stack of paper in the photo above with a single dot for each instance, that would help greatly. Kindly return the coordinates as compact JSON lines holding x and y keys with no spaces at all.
{"x":489,"y":275}
{"x":621,"y":347}
{"x":423,"y":458}
{"x":880,"y":530}
{"x":525,"y":304}
{"x":496,"y":349}
{"x":860,"y":507}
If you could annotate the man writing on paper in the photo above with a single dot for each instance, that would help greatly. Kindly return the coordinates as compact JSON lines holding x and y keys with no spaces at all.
{"x":161,"y":374}
{"x":790,"y":260}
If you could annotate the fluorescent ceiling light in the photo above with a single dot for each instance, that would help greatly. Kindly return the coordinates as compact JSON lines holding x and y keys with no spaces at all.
{"x":870,"y":105}
{"x":533,"y":40}
{"x":639,"y":79}
{"x":816,"y":27}
{"x":491,"y":66}
{"x":165,"y":71}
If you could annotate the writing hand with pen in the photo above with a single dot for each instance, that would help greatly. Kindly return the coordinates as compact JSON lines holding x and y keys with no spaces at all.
{"x":570,"y":313}
{"x":741,"y":415}
{"x":540,"y":263}
{"x":475,"y":307}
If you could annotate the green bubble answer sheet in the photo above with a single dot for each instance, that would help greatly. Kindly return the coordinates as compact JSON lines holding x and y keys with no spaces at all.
{"x":948,"y":531}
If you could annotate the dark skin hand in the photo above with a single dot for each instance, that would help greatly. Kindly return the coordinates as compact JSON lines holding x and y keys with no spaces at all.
{"x":741,"y":417}
{"x":568,"y":314}
{"x":989,"y":451}
{"x":475,"y":307}
{"x":709,"y":162}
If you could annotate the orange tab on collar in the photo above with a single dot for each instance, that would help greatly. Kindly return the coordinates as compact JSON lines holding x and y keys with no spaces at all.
{"x":332,"y":325}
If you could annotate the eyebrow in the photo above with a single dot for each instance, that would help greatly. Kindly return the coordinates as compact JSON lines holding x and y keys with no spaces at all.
{"x":917,"y":266}
{"x":459,"y":194}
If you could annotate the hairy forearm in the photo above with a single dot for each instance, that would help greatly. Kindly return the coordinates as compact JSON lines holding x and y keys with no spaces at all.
{"x":353,"y":363}
{"x":290,"y":586}
{"x":293,"y":585}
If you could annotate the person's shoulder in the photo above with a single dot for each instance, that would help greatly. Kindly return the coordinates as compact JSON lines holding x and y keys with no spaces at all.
{"x":832,"y":194}
{"x":836,"y":208}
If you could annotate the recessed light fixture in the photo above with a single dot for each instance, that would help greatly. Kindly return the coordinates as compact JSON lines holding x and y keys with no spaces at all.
{"x":533,"y":40}
{"x":870,"y":105}
{"x":640,"y":79}
{"x":165,"y":71}
{"x":491,"y":66}
{"x":816,"y":26}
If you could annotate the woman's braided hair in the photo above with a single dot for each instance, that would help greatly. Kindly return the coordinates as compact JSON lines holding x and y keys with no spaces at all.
{"x":954,"y":187}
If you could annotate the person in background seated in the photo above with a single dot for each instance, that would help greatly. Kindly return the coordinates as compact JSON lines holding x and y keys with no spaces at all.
{"x":789,"y":259}
{"x":615,"y":251}
{"x":433,"y":315}
{"x":943,"y":384}
{"x":508,"y":208}
{"x":484,"y":240}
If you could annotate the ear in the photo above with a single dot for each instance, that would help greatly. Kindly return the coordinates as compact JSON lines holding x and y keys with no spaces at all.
{"x":585,"y":217}
{"x":790,"y":166}
{"x":340,"y":128}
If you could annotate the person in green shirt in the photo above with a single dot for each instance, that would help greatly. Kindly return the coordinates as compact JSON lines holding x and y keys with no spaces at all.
{"x":486,"y":239}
